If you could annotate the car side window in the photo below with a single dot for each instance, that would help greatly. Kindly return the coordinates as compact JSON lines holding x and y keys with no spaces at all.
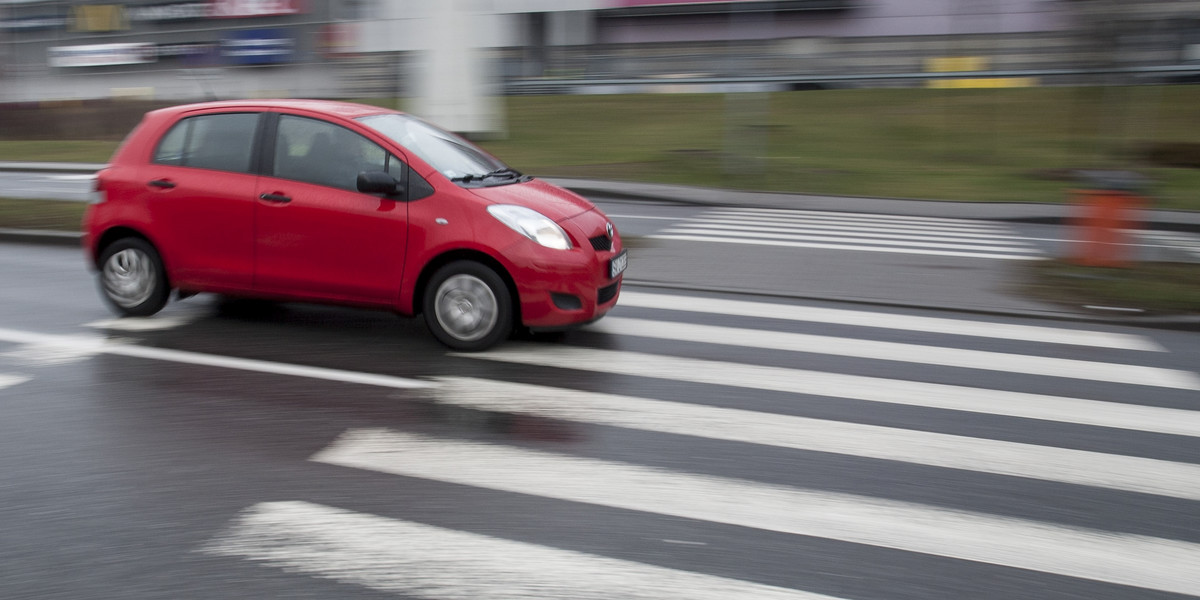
{"x":318,"y":152}
{"x":222,"y":142}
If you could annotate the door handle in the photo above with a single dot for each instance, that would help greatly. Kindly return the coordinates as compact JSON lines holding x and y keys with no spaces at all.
{"x":162,"y":183}
{"x":275,"y":198}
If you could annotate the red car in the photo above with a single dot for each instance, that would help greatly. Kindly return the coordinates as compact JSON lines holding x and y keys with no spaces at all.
{"x":349,"y":204}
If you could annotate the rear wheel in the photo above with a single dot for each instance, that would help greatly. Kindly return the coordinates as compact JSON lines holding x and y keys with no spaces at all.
{"x":467,"y":306}
{"x":132,"y":278}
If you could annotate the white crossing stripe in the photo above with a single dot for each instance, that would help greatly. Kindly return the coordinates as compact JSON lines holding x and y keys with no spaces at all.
{"x":1124,"y":559}
{"x":81,"y":346}
{"x":876,"y":241}
{"x":1077,"y":467}
{"x":824,"y":246}
{"x":838,"y":316}
{"x":845,"y":231}
{"x":783,"y":213}
{"x":895,"y":351}
{"x":855,"y":387}
{"x":862,"y":224}
{"x":853,"y":231}
{"x":141,"y":323}
{"x":7,"y":381}
{"x":423,"y":561}
{"x":1185,"y":242}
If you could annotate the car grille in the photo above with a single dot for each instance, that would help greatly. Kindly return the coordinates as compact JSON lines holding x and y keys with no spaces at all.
{"x":601,"y":243}
{"x":607,"y":293}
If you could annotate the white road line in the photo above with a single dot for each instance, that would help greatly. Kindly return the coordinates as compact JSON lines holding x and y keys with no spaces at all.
{"x":91,"y":345}
{"x":423,"y":561}
{"x":895,"y":351}
{"x":7,"y":381}
{"x":981,"y":246}
{"x":776,"y":213}
{"x":837,"y":316}
{"x":1124,"y":559}
{"x":819,"y":246}
{"x":1076,"y":467}
{"x":895,"y":233}
{"x":856,"y":387}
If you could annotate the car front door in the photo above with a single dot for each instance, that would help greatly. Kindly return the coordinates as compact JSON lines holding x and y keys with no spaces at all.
{"x":199,"y":189}
{"x":316,"y":236}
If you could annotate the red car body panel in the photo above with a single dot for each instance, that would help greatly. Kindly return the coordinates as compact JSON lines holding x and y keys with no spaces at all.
{"x":216,"y":233}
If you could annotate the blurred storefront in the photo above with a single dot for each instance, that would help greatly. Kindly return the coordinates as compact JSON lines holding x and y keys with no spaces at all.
{"x":450,"y":53}
{"x":59,"y":50}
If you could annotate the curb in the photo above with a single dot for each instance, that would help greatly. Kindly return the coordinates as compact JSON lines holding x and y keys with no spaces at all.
{"x":1010,"y":212}
{"x":51,"y":167}
{"x":42,"y":237}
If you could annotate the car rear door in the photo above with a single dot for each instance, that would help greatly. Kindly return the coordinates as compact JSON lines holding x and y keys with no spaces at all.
{"x":316,"y":236}
{"x":199,"y":189}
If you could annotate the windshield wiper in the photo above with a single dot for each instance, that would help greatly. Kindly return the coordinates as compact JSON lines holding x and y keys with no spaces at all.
{"x":504,"y":172}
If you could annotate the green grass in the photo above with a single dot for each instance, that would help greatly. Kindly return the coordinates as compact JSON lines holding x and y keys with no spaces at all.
{"x":84,"y":151}
{"x":1151,"y":287}
{"x":41,"y":214}
{"x":1011,"y":145}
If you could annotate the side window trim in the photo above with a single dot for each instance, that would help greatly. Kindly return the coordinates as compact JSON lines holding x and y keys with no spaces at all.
{"x":187,"y":139}
{"x":264,"y":145}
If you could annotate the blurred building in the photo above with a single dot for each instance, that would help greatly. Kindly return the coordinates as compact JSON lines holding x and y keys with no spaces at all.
{"x":450,"y":51}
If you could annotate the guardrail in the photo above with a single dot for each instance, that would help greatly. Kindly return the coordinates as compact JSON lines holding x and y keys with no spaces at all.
{"x":526,"y":85}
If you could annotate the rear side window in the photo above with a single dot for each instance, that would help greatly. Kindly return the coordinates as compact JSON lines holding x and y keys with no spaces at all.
{"x":221,"y":142}
{"x":326,"y":154}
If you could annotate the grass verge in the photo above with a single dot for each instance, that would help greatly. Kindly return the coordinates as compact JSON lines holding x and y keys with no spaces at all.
{"x":1151,"y":287}
{"x":56,"y":215}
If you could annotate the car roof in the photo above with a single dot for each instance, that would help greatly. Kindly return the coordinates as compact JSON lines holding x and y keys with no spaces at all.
{"x":347,"y":110}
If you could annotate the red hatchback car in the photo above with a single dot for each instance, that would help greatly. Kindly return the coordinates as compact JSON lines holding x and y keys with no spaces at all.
{"x":349,"y":204}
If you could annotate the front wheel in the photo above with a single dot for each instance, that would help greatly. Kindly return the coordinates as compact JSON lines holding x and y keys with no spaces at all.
{"x":467,"y":306}
{"x":132,"y":278}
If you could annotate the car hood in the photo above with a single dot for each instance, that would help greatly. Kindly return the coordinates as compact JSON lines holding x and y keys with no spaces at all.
{"x":550,"y":200}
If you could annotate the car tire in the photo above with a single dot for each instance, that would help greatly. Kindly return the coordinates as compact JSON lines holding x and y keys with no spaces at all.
{"x":467,"y":306}
{"x":132,"y":278}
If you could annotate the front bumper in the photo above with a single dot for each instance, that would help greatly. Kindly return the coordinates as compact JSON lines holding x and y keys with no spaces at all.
{"x":561,"y":288}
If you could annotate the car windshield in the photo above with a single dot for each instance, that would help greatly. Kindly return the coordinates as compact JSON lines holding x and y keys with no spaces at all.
{"x":454,"y":157}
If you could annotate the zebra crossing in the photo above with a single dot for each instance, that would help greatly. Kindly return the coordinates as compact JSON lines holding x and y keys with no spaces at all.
{"x":857,"y":232}
{"x":650,"y":360}
{"x":1187,"y":244}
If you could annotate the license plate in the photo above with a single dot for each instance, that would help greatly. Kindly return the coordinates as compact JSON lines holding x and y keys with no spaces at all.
{"x":617,"y":265}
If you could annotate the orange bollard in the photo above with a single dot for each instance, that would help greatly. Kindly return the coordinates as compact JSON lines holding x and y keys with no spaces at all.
{"x":1102,"y":216}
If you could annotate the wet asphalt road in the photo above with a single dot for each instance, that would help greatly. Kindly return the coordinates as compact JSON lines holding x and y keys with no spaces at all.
{"x":157,"y":474}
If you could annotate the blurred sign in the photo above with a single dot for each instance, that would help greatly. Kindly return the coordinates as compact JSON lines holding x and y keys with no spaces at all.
{"x":627,"y":3}
{"x":33,"y":23}
{"x":98,"y":17}
{"x":227,"y":9}
{"x":99,"y":55}
{"x":258,"y":47}
{"x":178,"y":11}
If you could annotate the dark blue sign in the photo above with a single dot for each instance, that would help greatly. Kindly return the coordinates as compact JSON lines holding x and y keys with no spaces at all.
{"x":258,"y":47}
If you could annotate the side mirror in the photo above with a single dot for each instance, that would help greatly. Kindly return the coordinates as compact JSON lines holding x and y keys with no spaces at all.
{"x":378,"y":182}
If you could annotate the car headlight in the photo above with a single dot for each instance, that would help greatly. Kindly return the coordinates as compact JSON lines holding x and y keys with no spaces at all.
{"x":531,"y":224}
